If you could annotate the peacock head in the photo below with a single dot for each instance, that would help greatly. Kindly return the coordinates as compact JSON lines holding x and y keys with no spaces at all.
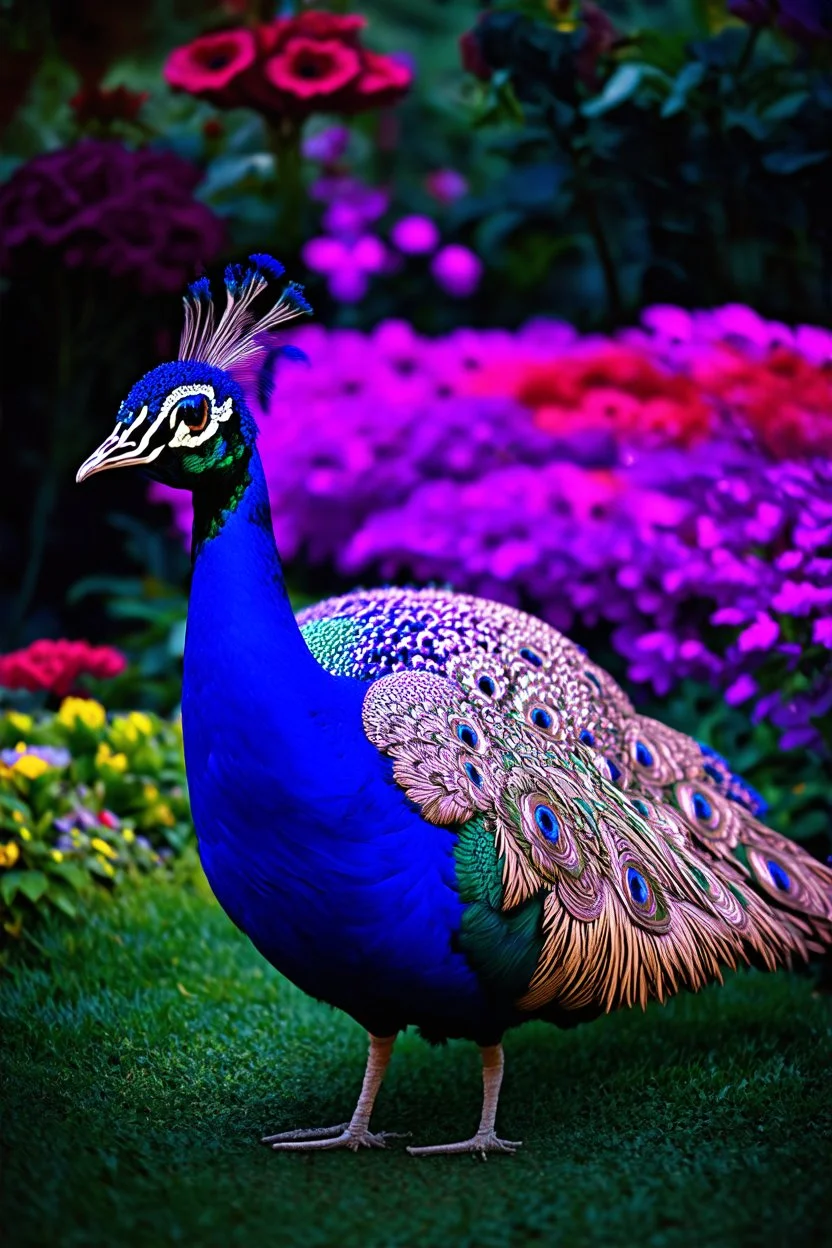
{"x":188,"y":420}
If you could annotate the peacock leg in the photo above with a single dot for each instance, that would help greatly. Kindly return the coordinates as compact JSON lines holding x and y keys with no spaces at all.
{"x":486,"y":1140}
{"x":353,"y":1134}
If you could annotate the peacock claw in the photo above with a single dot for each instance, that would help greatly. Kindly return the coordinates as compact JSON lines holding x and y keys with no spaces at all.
{"x":342,"y":1136}
{"x":482,"y":1144}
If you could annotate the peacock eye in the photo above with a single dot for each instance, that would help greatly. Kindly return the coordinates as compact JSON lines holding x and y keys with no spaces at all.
{"x":193,"y":411}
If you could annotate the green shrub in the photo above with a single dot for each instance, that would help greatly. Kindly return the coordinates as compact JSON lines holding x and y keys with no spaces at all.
{"x":84,"y":799}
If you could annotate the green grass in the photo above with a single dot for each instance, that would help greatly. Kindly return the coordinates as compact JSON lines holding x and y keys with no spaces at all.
{"x":143,"y":1054}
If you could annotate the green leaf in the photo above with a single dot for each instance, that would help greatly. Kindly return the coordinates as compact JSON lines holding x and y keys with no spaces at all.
{"x":685,"y":81}
{"x":787,"y":162}
{"x":32,"y":884}
{"x":9,"y":884}
{"x":621,"y":86}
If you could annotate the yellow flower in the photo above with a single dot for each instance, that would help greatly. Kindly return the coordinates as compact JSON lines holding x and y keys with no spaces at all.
{"x":108,"y":867}
{"x":82,"y":710}
{"x":105,"y":757}
{"x":23,"y":723}
{"x":57,"y":855}
{"x":150,"y":792}
{"x":123,"y":734}
{"x":18,"y":816}
{"x":129,"y":835}
{"x":163,"y":814}
{"x":141,"y":722}
{"x":25,"y":834}
{"x":9,"y":854}
{"x":103,"y":848}
{"x":31,"y":766}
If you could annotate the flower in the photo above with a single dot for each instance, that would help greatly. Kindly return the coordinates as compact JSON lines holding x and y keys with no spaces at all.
{"x":56,"y":665}
{"x":101,"y":847}
{"x":9,"y":854}
{"x":211,"y":67}
{"x":446,"y":185}
{"x":415,"y":235}
{"x":290,"y":67}
{"x":98,"y":205}
{"x":803,"y":20}
{"x":626,"y":480}
{"x":75,"y":711}
{"x":327,"y":146}
{"x":98,"y":104}
{"x":457,"y":270}
{"x":106,"y":758}
{"x":470,"y":54}
{"x":27,"y":764}
{"x":346,"y":264}
{"x":310,"y":72}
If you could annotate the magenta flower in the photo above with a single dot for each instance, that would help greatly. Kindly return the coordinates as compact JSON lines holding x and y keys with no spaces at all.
{"x":415,"y":236}
{"x":347,"y":264}
{"x":446,"y":185}
{"x":212,"y":66}
{"x":457,"y":270}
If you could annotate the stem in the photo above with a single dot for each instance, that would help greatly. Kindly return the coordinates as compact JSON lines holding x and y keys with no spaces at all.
{"x":750,"y":44}
{"x":284,"y":140}
{"x":587,"y":200}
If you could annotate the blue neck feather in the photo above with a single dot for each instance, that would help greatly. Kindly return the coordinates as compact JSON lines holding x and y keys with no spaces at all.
{"x":308,"y":844}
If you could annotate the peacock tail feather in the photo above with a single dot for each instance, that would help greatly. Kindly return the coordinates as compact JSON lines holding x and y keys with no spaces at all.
{"x":604,"y":858}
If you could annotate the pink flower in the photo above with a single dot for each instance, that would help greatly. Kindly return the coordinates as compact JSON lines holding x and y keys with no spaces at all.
{"x":415,"y":236}
{"x":761,"y":635}
{"x":56,"y":665}
{"x":446,"y":185}
{"x":211,"y":66}
{"x":457,"y":270}
{"x":822,"y":633}
{"x":346,"y":263}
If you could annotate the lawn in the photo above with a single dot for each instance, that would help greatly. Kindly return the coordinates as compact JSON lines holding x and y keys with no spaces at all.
{"x":144,"y":1053}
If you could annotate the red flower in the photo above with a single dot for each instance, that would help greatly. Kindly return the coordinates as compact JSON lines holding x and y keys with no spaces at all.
{"x":211,"y":66}
{"x":56,"y":665}
{"x":97,"y":104}
{"x":310,"y":70}
{"x":471,"y":56}
{"x":291,"y":67}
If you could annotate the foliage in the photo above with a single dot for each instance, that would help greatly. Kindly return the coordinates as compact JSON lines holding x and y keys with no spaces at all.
{"x":84,"y":799}
{"x":145,"y":1054}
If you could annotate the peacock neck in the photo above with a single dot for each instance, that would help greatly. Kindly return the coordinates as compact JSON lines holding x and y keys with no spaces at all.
{"x":241,"y":627}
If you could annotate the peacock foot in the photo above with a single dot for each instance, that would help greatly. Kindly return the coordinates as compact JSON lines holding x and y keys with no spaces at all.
{"x":342,"y":1136}
{"x":482,"y":1143}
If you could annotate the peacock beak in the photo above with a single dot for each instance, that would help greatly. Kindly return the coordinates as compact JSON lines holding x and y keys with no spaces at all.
{"x":120,"y":450}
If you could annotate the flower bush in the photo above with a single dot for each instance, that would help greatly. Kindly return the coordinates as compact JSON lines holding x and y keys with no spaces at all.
{"x":290,"y":68}
{"x":99,"y":205}
{"x":84,"y":799}
{"x":670,"y":482}
{"x":56,"y":666}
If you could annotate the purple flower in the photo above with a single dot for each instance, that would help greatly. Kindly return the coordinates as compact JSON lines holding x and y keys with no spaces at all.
{"x":708,"y":559}
{"x":99,"y":205}
{"x":346,"y":264}
{"x":327,"y":146}
{"x":446,"y":185}
{"x":54,"y":755}
{"x":457,"y":270}
{"x":415,"y":236}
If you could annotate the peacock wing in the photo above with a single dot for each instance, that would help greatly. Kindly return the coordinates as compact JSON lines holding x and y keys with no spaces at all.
{"x":644,"y":883}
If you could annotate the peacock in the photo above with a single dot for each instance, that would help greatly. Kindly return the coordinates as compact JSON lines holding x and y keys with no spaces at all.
{"x":425,"y":808}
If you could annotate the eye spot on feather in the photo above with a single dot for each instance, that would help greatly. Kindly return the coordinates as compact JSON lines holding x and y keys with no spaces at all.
{"x":638,"y":886}
{"x":486,"y":685}
{"x":593,"y":679}
{"x":541,"y":718}
{"x":641,"y":808}
{"x":587,"y":737}
{"x":712,"y":772}
{"x":473,"y":774}
{"x":779,"y":876}
{"x":547,"y":821}
{"x":467,"y":736}
{"x":614,"y":771}
{"x":531,"y":657}
{"x":702,"y":808}
{"x":644,"y":756}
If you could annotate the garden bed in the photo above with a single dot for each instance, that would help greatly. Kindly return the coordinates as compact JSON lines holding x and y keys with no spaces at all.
{"x":146,"y":1051}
